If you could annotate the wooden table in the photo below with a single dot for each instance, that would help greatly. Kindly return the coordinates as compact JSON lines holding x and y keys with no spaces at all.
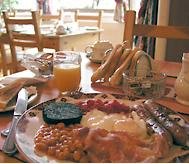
{"x":76,"y":40}
{"x":47,"y":91}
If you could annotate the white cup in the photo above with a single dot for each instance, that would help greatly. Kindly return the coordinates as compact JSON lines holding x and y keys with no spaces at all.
{"x":98,"y":49}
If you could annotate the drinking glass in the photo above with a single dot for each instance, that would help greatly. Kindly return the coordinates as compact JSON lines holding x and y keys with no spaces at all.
{"x":67,"y":71}
{"x":41,"y":64}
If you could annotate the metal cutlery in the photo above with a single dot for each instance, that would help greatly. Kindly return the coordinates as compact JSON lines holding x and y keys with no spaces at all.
{"x":31,"y":91}
{"x":5,"y":132}
{"x":21,"y":105}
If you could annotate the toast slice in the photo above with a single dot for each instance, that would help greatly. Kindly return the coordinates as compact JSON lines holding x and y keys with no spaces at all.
{"x":9,"y":92}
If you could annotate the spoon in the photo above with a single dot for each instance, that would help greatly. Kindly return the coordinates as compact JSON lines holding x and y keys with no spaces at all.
{"x":5,"y":132}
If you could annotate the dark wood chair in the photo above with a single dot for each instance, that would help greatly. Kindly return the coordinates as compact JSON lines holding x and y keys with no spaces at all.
{"x":132,"y":29}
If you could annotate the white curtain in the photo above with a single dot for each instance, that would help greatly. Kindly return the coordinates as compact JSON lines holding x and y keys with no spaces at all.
{"x":119,"y":11}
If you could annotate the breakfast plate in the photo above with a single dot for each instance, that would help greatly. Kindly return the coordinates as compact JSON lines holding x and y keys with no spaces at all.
{"x":32,"y":120}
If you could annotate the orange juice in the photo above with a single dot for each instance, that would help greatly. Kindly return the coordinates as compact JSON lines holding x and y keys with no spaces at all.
{"x":67,"y":76}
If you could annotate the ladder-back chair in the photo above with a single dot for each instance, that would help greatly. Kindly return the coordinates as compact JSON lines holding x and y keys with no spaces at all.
{"x":49,"y":17}
{"x":27,"y":38}
{"x":96,"y":17}
{"x":132,"y":29}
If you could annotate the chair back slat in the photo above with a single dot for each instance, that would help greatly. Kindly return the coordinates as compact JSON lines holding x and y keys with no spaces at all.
{"x":18,"y":21}
{"x":84,"y":17}
{"x":132,"y":29}
{"x":48,"y":17}
{"x":171,"y":32}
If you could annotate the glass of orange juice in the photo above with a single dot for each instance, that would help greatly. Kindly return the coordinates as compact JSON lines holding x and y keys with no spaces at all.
{"x":67,"y":71}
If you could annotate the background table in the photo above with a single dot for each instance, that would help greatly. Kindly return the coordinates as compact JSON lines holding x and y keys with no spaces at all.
{"x":76,"y":40}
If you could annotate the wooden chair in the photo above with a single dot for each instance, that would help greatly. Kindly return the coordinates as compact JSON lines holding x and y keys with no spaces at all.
{"x":49,"y":17}
{"x":26,"y":38}
{"x":86,"y":17}
{"x":132,"y":29}
{"x":22,"y":13}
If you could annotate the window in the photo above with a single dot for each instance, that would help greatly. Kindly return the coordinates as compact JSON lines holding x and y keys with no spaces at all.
{"x":69,"y":4}
{"x":86,"y":5}
{"x":90,"y":4}
{"x":26,"y":5}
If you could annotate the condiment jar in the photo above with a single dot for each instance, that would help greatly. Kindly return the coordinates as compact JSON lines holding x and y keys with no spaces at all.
{"x":182,"y":82}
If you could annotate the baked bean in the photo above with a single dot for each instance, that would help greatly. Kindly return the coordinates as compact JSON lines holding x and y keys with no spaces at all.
{"x":59,"y":142}
{"x":38,"y":139}
{"x":76,"y":155}
{"x":61,"y":156}
{"x":51,"y":151}
{"x":51,"y":141}
{"x":41,"y":147}
{"x":84,"y":159}
{"x":62,"y":138}
{"x":66,"y":152}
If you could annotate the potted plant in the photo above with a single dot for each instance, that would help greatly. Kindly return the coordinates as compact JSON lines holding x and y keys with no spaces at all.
{"x":7,"y":5}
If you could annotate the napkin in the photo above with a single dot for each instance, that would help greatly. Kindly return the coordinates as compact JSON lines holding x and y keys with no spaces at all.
{"x":10,"y":90}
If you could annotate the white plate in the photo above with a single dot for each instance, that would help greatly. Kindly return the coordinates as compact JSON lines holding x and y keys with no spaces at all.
{"x":11,"y":107}
{"x":91,"y":28}
{"x":30,"y":122}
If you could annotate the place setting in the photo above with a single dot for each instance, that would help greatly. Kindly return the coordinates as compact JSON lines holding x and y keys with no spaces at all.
{"x":74,"y":125}
{"x":121,"y":106}
{"x":92,"y":82}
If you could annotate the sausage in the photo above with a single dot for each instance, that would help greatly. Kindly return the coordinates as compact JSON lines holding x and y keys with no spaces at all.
{"x":152,"y":123}
{"x":178,"y":133}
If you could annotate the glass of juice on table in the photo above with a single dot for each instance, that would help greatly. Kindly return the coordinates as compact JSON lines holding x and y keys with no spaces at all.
{"x":67,"y":71}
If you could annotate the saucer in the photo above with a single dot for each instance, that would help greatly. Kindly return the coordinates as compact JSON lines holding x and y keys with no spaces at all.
{"x":99,"y":61}
{"x":92,"y":59}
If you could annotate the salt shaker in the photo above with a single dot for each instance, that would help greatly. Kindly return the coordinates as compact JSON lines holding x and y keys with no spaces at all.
{"x":182,"y":82}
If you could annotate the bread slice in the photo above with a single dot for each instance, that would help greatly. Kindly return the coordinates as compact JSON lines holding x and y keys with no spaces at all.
{"x":141,"y":62}
{"x":9,"y":92}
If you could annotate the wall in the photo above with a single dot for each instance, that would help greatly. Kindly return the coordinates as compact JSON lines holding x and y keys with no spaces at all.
{"x":163,"y":19}
{"x":178,"y":16}
{"x":113,"y":31}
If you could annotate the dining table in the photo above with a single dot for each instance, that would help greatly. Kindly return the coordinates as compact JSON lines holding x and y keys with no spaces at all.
{"x":75,"y":38}
{"x":47,"y":91}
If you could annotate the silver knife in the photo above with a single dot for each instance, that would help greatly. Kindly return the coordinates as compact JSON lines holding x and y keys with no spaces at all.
{"x":21,"y":105}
